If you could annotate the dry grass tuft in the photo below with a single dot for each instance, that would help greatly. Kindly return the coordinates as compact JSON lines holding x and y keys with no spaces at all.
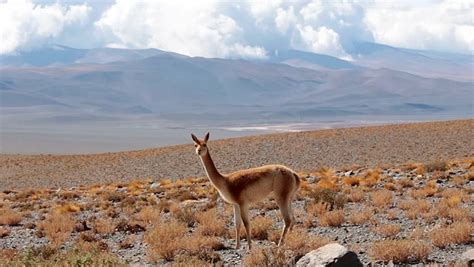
{"x":183,"y":214}
{"x":57,"y":227}
{"x":387,"y":230}
{"x":400,"y":251}
{"x":9,"y":217}
{"x":261,"y":226}
{"x":436,"y":166}
{"x":331,"y":197}
{"x":266,"y":257}
{"x":104,"y":226}
{"x":211,"y":223}
{"x":371,"y":178}
{"x":332,"y":218}
{"x":356,"y":195}
{"x":299,"y":242}
{"x":148,"y":215}
{"x":456,"y":233}
{"x":68,"y":207}
{"x":165,"y":239}
{"x":382,"y":198}
{"x":352,"y":181}
{"x":4,"y":232}
{"x":361,"y":217}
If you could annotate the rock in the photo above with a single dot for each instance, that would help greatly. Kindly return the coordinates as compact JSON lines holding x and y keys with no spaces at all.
{"x":154,"y":185}
{"x":348,"y":173}
{"x":332,"y":254}
{"x":467,"y":258}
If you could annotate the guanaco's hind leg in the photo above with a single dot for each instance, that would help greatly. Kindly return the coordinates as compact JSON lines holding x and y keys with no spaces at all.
{"x":237,"y":224}
{"x":244,"y":214}
{"x":285,"y":208}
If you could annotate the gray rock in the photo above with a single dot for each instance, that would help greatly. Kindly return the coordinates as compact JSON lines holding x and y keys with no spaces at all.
{"x":348,"y":173}
{"x":467,"y":257}
{"x":334,"y":255}
{"x":154,"y":185}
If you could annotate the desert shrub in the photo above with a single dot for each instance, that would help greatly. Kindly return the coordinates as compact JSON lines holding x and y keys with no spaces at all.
{"x":9,"y":217}
{"x":359,"y":218}
{"x":387,"y":230}
{"x":165,"y":239}
{"x":4,"y":232}
{"x":148,"y":215}
{"x":436,"y":165}
{"x":390,"y":186}
{"x":104,"y":226}
{"x":57,"y":228}
{"x":400,"y":251}
{"x":371,"y":178}
{"x":91,"y":254}
{"x":183,"y":214}
{"x":356,"y":195}
{"x":333,"y":198}
{"x":261,"y":226}
{"x":456,"y":233}
{"x":68,"y":207}
{"x":405,"y":183}
{"x":266,"y":257}
{"x":211,"y":223}
{"x":114,"y":196}
{"x":332,"y":218}
{"x":203,"y":247}
{"x":352,"y":181}
{"x":298,"y":242}
{"x":381,"y":198}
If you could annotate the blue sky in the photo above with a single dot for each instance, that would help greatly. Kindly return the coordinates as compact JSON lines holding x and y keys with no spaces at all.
{"x":237,"y":29}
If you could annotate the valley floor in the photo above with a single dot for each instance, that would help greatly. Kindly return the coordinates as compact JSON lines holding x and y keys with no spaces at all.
{"x":365,"y":146}
{"x":399,"y":192}
{"x":407,"y":213}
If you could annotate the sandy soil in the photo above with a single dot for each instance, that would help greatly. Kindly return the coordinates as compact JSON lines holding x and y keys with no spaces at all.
{"x":364,"y":146}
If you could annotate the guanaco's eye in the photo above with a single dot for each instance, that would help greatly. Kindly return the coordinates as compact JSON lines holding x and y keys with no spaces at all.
{"x":195,"y":145}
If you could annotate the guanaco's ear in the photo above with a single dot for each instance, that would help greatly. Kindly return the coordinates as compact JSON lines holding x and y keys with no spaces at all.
{"x":195,"y":139}
{"x":206,"y":137}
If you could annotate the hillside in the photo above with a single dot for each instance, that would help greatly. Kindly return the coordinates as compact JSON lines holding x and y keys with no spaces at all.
{"x":366,"y":146}
{"x":60,"y":85}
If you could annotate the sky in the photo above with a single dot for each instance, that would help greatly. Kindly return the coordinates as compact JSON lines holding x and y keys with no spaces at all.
{"x":237,"y":29}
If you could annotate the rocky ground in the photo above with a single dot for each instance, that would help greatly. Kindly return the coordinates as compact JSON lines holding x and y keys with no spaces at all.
{"x":338,"y":148}
{"x":424,"y":204}
{"x":400,"y":193}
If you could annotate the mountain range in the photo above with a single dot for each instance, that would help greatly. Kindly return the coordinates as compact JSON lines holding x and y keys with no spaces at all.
{"x":57,"y":84}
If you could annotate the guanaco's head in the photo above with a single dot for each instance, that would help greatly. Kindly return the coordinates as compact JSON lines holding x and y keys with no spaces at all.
{"x":201,"y":147}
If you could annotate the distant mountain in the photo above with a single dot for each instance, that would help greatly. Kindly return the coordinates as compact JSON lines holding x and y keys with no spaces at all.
{"x":56,"y":55}
{"x":302,"y":59}
{"x":152,"y":83}
{"x":424,"y":63}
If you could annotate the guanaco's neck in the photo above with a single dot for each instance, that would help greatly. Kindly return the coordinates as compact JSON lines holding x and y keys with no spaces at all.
{"x":216,"y":178}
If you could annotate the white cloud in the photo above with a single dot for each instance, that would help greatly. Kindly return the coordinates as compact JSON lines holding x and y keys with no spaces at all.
{"x":248,"y":29}
{"x":194,"y":28}
{"x":322,"y":40}
{"x":447,"y":26}
{"x":284,"y":19}
{"x":25,"y":24}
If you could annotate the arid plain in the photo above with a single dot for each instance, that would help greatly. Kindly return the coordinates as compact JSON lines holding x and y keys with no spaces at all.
{"x":406,"y":187}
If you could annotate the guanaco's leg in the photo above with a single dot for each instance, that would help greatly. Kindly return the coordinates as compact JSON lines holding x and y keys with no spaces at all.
{"x":244,"y":214}
{"x":237,"y":224}
{"x":284,"y":204}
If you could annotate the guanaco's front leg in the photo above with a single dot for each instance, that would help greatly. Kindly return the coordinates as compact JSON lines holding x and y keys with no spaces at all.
{"x":237,"y":224}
